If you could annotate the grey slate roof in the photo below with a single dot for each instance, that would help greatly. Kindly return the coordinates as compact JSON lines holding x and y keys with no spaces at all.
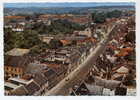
{"x":32,"y":87}
{"x":40,"y":79}
{"x":20,"y":91}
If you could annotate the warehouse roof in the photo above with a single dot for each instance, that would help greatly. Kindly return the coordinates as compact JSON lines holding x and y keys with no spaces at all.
{"x":18,"y":52}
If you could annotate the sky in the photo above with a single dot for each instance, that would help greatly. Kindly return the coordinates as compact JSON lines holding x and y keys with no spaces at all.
{"x":66,"y":4}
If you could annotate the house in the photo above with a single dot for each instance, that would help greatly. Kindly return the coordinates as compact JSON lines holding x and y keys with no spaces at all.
{"x":32,"y":87}
{"x":119,"y":71}
{"x":57,"y":56}
{"x":7,"y":26}
{"x":33,"y":68}
{"x":121,"y":91}
{"x":60,"y":70}
{"x":18,"y":29}
{"x":45,"y":38}
{"x":87,"y":32}
{"x":51,"y":76}
{"x":94,"y":89}
{"x":108,"y":92}
{"x":65,"y":42}
{"x":16,"y":61}
{"x":124,"y":52}
{"x":35,"y":71}
{"x":18,"y":81}
{"x":29,"y":89}
{"x":82,"y":90}
{"x":117,"y":76}
{"x":9,"y":87}
{"x":109,"y":84}
{"x":37,"y":85}
{"x":15,"y":84}
{"x":122,"y":70}
{"x":20,"y":91}
{"x":42,"y":81}
{"x":87,"y":89}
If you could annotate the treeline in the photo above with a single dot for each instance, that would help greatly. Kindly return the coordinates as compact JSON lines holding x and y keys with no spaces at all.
{"x":57,"y":27}
{"x":100,"y":17}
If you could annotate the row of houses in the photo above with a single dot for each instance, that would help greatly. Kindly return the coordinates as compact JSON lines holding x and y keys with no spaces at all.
{"x":112,"y":66}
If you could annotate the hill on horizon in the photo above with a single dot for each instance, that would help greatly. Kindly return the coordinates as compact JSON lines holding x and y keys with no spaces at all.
{"x":67,"y":4}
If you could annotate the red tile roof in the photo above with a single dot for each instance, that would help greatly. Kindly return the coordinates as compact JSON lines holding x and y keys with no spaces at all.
{"x":14,"y":17}
{"x":65,"y":42}
{"x":124,"y":51}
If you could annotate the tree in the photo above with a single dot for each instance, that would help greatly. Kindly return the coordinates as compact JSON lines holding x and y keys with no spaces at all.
{"x":26,"y":39}
{"x":8,"y":39}
{"x":30,"y":39}
{"x":99,"y":17}
{"x":114,"y":13}
{"x":54,"y":44}
{"x":57,"y":27}
{"x":35,"y":50}
{"x":130,"y":37}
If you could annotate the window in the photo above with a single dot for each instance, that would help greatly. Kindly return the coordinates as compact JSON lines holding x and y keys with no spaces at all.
{"x":14,"y":69}
{"x":7,"y":68}
{"x":12,"y":75}
{"x":20,"y":70}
